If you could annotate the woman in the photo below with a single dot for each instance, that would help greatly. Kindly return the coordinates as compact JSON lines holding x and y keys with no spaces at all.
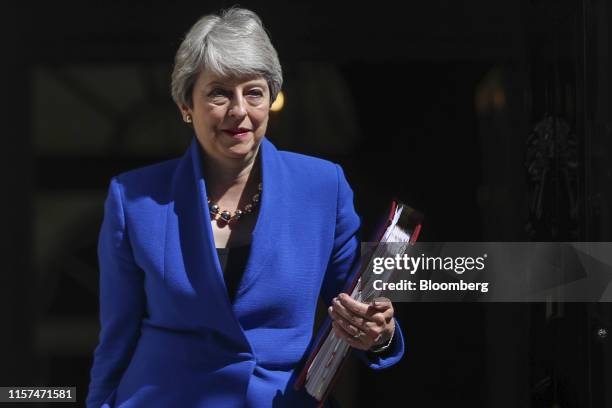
{"x":211,"y":264}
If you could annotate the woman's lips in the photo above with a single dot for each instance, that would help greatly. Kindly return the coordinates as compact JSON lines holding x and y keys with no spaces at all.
{"x":238,"y":134}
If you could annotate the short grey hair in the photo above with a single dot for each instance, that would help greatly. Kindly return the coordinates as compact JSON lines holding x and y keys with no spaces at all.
{"x":233,"y":43}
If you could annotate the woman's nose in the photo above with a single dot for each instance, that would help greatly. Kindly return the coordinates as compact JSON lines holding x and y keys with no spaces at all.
{"x":237,"y":107}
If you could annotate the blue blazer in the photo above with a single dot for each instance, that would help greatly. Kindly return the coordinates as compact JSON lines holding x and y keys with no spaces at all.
{"x":170,"y":337}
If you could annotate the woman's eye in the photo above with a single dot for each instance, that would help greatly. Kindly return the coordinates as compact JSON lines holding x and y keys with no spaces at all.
{"x":217,"y":92}
{"x":255,"y":92}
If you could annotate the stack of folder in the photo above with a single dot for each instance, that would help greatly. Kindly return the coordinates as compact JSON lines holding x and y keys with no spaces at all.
{"x":399,"y":230}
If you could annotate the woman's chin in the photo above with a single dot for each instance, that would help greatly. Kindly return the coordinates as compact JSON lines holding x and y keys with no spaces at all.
{"x":241,"y":150}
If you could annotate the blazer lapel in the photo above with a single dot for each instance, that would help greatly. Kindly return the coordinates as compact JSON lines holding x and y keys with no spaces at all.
{"x":191,"y":266}
{"x":268,"y":220}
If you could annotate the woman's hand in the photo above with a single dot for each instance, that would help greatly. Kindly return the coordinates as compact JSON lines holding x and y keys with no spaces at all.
{"x":362,"y":325}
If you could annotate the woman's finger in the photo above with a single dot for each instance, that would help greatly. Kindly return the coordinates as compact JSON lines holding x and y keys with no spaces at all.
{"x":372,"y":329}
{"x":382,"y":304}
{"x":385,"y":307}
{"x":353,"y":341}
{"x":356,"y":307}
{"x":347,"y":315}
{"x":349,"y":328}
{"x":374,"y":321}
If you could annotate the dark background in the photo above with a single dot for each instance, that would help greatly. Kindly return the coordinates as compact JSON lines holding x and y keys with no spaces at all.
{"x":437,"y":103}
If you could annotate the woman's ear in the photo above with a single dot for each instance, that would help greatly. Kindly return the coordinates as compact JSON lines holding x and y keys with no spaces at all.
{"x":185,"y":113}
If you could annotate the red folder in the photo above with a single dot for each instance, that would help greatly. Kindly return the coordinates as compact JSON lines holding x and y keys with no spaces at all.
{"x":412,"y":221}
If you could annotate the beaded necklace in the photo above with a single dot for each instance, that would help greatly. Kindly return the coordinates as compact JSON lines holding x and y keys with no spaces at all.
{"x":227,"y":216}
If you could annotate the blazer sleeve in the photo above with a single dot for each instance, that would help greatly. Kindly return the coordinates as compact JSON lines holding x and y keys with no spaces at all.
{"x":122,"y":302}
{"x":345,"y":255}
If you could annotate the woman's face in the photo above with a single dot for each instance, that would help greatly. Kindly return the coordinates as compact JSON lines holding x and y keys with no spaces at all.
{"x":230,"y":115}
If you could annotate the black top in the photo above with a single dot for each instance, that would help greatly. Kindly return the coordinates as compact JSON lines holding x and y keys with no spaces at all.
{"x":233,"y":262}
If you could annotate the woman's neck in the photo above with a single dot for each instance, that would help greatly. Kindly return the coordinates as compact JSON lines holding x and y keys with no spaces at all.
{"x":226,"y":180}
